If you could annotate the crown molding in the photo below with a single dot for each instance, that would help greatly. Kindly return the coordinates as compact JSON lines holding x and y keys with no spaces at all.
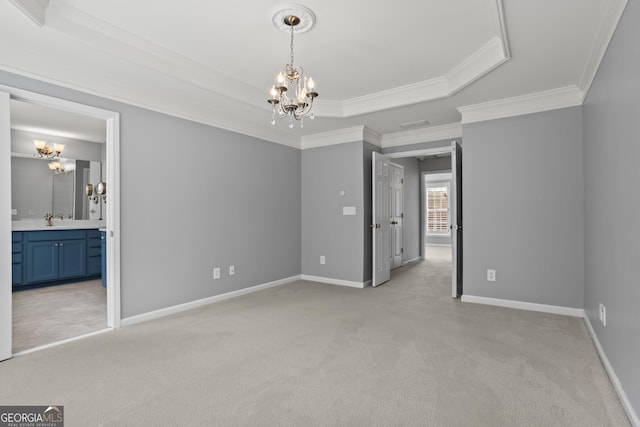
{"x":600,"y":43}
{"x":488,"y":57}
{"x":36,"y":10}
{"x":372,"y":137}
{"x":238,"y":126}
{"x":334,"y":137}
{"x":554,"y":99}
{"x":416,"y":136}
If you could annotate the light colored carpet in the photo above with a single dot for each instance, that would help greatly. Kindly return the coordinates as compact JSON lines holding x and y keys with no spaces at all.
{"x":54,"y":313}
{"x":310,"y":354}
{"x":438,"y":252}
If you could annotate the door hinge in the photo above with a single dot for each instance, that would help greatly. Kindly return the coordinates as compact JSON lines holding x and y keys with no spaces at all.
{"x":401,"y":180}
{"x":401,"y":250}
{"x":402,"y":215}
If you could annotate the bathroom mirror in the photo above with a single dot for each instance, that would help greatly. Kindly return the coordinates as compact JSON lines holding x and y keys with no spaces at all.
{"x":36,"y":189}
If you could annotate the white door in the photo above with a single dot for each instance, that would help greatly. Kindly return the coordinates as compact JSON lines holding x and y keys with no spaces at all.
{"x":456,"y":219}
{"x":5,"y":227}
{"x":397,"y":209}
{"x":381,"y":218}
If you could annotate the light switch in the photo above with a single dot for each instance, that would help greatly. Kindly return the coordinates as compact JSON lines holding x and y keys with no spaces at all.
{"x":348,"y":210}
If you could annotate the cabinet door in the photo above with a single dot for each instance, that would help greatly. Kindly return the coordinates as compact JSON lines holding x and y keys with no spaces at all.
{"x":72,"y":255}
{"x":41,"y":261}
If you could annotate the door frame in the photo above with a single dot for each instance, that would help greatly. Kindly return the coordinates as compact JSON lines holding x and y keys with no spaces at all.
{"x":417,"y":153}
{"x":112,"y":125}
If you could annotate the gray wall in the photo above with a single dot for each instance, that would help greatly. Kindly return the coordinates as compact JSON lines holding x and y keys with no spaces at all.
{"x":411,"y":220}
{"x":325,"y":231}
{"x":612,"y":205}
{"x":523,"y":208}
{"x":436,"y":164}
{"x":220,"y":198}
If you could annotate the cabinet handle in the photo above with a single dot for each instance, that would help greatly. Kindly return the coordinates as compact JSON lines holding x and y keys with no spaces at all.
{"x":56,"y":245}
{"x":61,"y":244}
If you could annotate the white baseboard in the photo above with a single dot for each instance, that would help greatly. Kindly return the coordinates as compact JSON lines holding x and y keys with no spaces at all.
{"x":412,"y":260}
{"x":156,"y":314}
{"x":368,"y":283}
{"x":333,"y":281}
{"x":521,"y":305}
{"x":626,"y":404}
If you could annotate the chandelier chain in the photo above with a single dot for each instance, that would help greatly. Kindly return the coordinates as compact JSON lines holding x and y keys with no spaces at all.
{"x":291,"y":46}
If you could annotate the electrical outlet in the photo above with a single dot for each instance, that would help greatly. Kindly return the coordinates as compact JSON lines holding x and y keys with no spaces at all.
{"x":216,"y":273}
{"x":323,"y":260}
{"x":491,"y":275}
{"x":232,"y":270}
{"x":603,"y":314}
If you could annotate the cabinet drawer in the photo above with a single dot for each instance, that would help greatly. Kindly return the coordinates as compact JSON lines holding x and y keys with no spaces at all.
{"x":16,"y":247}
{"x":16,"y":258}
{"x":39,"y":236}
{"x":16,"y":275}
{"x":16,"y":236}
{"x":94,"y":251}
{"x":91,"y":234}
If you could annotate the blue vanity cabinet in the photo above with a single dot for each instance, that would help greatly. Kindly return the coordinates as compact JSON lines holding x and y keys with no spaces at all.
{"x":72,"y":258}
{"x":103,"y":258}
{"x":41,"y":261}
{"x":54,"y":255}
{"x":94,"y":253}
{"x":16,"y":258}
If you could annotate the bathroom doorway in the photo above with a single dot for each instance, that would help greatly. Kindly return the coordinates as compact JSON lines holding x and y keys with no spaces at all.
{"x":88,"y":306}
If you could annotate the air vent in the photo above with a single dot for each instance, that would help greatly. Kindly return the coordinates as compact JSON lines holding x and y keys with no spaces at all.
{"x":415,"y":124}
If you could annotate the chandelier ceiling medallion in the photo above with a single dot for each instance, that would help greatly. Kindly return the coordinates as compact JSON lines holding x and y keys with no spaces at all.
{"x":293,"y":94}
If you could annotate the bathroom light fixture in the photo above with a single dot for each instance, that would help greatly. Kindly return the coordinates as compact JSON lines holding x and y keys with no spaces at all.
{"x":58,"y":168}
{"x":292,"y":96}
{"x":44,"y":150}
{"x":100,"y":192}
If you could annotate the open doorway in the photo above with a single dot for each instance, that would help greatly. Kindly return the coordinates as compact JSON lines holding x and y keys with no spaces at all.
{"x":436,"y":212}
{"x":432,"y":238}
{"x":65,"y":244}
{"x":56,"y":274}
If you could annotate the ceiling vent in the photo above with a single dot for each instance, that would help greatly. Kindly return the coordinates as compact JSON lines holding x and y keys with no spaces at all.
{"x":417,"y":123}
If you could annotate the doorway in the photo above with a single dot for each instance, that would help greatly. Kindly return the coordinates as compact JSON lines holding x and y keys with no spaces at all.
{"x":110,"y":122}
{"x":447,"y":252}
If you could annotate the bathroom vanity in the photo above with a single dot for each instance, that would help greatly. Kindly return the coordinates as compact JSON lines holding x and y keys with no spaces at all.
{"x":43,"y":255}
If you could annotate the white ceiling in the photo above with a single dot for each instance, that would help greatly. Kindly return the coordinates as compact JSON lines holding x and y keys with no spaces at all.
{"x":377,"y":63}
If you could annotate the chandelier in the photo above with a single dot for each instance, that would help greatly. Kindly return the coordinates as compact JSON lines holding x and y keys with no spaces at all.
{"x":293,"y":94}
{"x":44,"y":150}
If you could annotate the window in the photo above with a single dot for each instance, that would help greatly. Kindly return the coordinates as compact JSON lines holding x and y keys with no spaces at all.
{"x":437,"y":210}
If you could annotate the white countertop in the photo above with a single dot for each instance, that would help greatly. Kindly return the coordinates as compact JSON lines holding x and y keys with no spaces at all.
{"x":67,"y":224}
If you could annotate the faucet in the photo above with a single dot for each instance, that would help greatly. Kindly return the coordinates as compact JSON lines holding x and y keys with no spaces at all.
{"x":49,"y":217}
